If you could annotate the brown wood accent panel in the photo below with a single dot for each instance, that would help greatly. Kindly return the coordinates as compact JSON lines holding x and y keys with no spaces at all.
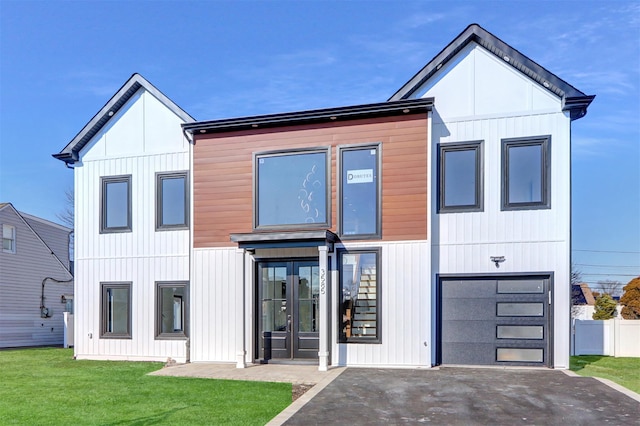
{"x":223,"y":174}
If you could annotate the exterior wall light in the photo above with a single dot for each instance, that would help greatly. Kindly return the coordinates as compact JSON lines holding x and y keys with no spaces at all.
{"x":497,"y":260}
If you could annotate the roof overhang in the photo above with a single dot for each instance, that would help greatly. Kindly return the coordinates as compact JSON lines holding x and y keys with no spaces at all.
{"x":71,"y":153}
{"x":328,"y":115}
{"x":265,"y":240}
{"x":574,"y":101}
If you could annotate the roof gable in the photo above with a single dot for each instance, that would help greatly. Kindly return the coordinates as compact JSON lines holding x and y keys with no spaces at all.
{"x":573,"y":100}
{"x":70,"y":153}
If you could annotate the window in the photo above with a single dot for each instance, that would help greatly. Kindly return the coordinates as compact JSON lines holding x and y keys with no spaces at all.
{"x":172,"y":202}
{"x":360,"y":296}
{"x":291,"y":189}
{"x":525,"y":173}
{"x":460,"y":174}
{"x":359,"y":192}
{"x":8,"y":238}
{"x":115,"y":209}
{"x":116,"y":310}
{"x":172,"y":310}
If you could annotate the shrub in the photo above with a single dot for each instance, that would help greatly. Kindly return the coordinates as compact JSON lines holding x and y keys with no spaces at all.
{"x":630,"y":300}
{"x":605,"y":308}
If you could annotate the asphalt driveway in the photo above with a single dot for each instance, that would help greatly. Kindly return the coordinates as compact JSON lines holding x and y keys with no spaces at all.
{"x":482,"y":396}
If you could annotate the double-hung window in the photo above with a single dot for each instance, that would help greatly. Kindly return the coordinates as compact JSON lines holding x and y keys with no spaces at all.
{"x":460,"y":177}
{"x":172,"y":201}
{"x":359,"y":296}
{"x":292,"y":189}
{"x":116,"y":310}
{"x":526,"y":173}
{"x":359,"y":191}
{"x":8,"y":238}
{"x":172,"y":310}
{"x":115,"y":204}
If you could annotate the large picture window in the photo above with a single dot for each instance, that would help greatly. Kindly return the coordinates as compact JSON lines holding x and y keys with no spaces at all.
{"x":360,"y":296}
{"x":116,"y":310}
{"x":359,"y":192}
{"x":172,"y":202}
{"x":115,"y":204}
{"x":291,"y":189}
{"x":460,"y":177}
{"x":172,"y":302}
{"x":526,"y":173}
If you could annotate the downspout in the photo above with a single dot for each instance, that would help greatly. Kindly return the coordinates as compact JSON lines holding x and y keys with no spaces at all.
{"x":44,"y":311}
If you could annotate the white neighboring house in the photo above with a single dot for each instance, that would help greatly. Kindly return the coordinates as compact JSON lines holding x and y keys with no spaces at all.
{"x":132,"y":204}
{"x":36,"y":286}
{"x":484,"y":280}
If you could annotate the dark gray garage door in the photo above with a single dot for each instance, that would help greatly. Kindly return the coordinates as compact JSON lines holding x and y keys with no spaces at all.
{"x":491,"y":321}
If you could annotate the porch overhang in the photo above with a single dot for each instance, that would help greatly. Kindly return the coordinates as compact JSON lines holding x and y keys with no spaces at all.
{"x":289,"y":239}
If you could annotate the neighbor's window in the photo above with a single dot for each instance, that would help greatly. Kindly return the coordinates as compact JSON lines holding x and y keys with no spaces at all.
{"x":526,"y":173}
{"x":460,"y":176}
{"x":172,"y":203}
{"x":8,"y":238}
{"x":360,"y":296}
{"x":359,"y":191}
{"x":115,"y":209}
{"x":292,"y":189}
{"x":172,"y":309}
{"x":116,"y":310}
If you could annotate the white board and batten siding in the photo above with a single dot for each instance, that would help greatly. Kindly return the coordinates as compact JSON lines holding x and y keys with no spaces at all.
{"x":21,"y":276}
{"x":142,"y":139}
{"x":478,"y":97}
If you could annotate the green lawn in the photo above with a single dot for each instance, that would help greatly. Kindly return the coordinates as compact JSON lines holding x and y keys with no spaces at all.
{"x":46,"y":386}
{"x":623,"y":371}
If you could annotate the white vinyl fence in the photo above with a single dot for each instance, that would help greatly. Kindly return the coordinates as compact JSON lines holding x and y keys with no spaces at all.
{"x":615,"y":337}
{"x":68,"y":329}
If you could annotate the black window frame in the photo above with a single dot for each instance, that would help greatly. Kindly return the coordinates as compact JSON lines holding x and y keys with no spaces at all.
{"x":160,"y":177}
{"x":478,"y":148}
{"x":545,"y":173}
{"x":360,"y":147}
{"x":326,"y":150}
{"x":104,"y":333}
{"x":104,"y":181}
{"x":181,"y":335}
{"x":342,"y":338}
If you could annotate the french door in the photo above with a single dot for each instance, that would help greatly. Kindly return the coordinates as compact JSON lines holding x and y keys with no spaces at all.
{"x":288,"y":309}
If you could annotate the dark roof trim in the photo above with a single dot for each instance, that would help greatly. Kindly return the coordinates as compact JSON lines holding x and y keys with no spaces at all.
{"x":284,"y":239}
{"x":70,"y":153}
{"x":410,"y":106}
{"x":574,"y":101}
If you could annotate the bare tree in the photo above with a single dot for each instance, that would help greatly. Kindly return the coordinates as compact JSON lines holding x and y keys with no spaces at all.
{"x":610,"y":287}
{"x":576,"y":292}
{"x":67,"y":217}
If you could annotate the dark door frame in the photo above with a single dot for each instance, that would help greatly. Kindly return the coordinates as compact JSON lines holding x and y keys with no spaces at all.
{"x":293,"y":336}
{"x":437,"y":316}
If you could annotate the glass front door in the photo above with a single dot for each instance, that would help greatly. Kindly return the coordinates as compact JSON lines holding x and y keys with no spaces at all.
{"x":288,"y":317}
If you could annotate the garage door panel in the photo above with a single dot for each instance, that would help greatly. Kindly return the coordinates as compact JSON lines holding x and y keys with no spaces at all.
{"x":469,"y":309}
{"x":494,"y":321}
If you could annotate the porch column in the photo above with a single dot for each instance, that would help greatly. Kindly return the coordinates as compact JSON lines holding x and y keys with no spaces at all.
{"x":240,"y":303}
{"x":325,"y":301}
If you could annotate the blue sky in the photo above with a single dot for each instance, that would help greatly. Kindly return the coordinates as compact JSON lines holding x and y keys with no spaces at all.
{"x":62,"y":60}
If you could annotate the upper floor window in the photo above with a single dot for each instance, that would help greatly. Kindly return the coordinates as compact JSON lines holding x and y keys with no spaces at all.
{"x":8,"y":238}
{"x":526,"y":173}
{"x":291,"y":189}
{"x":460,"y":177}
{"x":115,"y":204}
{"x":359,"y":191}
{"x":115,"y":310}
{"x":172,"y":201}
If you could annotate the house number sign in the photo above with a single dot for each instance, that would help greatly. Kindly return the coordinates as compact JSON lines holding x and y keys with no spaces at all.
{"x":323,"y":281}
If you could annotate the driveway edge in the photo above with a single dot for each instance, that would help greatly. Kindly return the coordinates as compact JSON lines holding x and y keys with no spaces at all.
{"x":300,"y":402}
{"x":613,"y":385}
